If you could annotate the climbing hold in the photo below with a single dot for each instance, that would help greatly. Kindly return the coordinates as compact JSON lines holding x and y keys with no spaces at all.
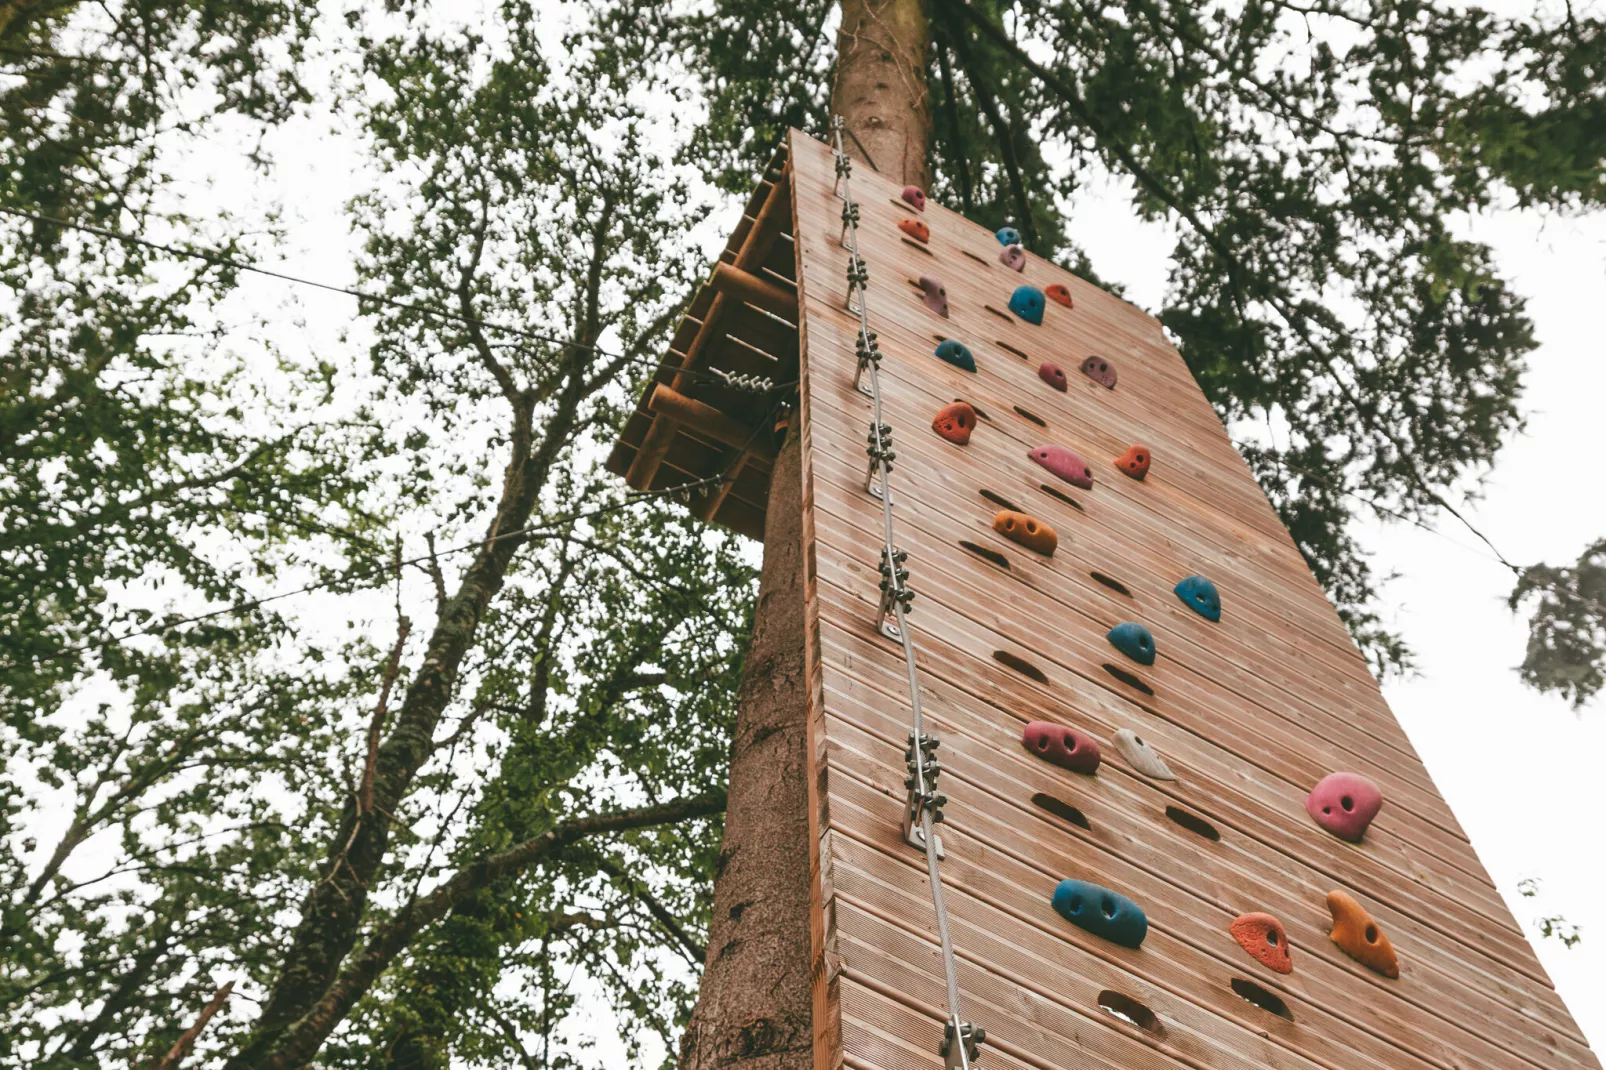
{"x":1100,"y":371}
{"x":1135,"y":461}
{"x":1029,"y":531}
{"x":1356,"y":932}
{"x":936,"y":295}
{"x":1053,"y":375}
{"x":916,"y":229}
{"x":957,"y":354}
{"x":1007,"y":236}
{"x":1064,"y":463}
{"x":1059,"y":293}
{"x":1027,"y":303}
{"x":1264,"y":938}
{"x":1201,"y":596}
{"x":1101,"y":912}
{"x":955,"y":422}
{"x":1344,"y":804}
{"x":1076,"y":751}
{"x":1133,"y":640}
{"x":916,"y":197}
{"x":1013,"y":257}
{"x":1141,"y":756}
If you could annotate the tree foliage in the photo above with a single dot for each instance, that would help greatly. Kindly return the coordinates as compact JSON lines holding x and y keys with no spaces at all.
{"x":1567,"y":632}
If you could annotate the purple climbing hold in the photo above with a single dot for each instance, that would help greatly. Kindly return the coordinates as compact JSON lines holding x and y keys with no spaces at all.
{"x":915,"y":197}
{"x":936,"y":295}
{"x":1064,"y":463}
{"x":1013,"y":257}
{"x":1100,"y":371}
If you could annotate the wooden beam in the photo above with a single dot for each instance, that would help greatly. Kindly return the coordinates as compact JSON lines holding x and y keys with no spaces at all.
{"x":740,"y":285}
{"x":667,"y":402}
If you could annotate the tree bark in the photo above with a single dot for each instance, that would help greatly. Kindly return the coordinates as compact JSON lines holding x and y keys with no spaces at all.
{"x":881,"y":90}
{"x":753,"y":1012}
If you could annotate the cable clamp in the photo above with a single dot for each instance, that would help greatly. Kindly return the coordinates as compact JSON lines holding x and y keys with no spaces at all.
{"x":963,"y":1055}
{"x":869,"y":354}
{"x":755,"y":384}
{"x":894,"y":577}
{"x":881,"y":457}
{"x":921,"y":794}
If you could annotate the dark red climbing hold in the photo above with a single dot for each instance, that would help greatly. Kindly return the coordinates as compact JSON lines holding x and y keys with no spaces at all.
{"x":1344,"y":804}
{"x":955,"y":422}
{"x":1066,"y":747}
{"x":1265,"y":939}
{"x":936,"y":295}
{"x":1101,"y":912}
{"x":1053,"y":375}
{"x":1100,"y":371}
{"x":1028,"y":531}
{"x":1027,"y":303}
{"x":915,"y":197}
{"x":1064,"y":463}
{"x":1059,"y":293}
{"x":1135,"y":461}
{"x":1013,"y":257}
{"x":957,"y":354}
{"x":916,"y":229}
{"x":1133,"y":640}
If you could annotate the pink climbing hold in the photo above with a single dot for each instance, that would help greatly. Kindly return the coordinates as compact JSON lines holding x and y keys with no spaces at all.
{"x":915,"y":197}
{"x":1013,"y":257}
{"x":1053,"y":375}
{"x":1076,"y":751}
{"x":1344,"y":804}
{"x":1064,"y":463}
{"x":935,"y":295}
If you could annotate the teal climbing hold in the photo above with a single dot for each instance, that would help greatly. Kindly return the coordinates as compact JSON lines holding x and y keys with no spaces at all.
{"x":1101,"y":912}
{"x":1201,"y":596}
{"x":1007,"y":236}
{"x":1027,"y":303}
{"x":1133,"y":640}
{"x":957,"y":354}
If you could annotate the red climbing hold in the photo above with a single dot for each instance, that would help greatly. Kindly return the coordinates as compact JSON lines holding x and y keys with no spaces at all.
{"x":1344,"y":804}
{"x":1100,"y":371}
{"x":1053,"y":375}
{"x":1059,"y":293}
{"x":1064,"y":463}
{"x":1135,"y":461}
{"x":955,"y":422}
{"x":1029,"y":531}
{"x":1076,"y":751}
{"x":916,"y":229}
{"x":935,"y":295}
{"x":1264,"y":938}
{"x":916,"y":197}
{"x":1013,"y":257}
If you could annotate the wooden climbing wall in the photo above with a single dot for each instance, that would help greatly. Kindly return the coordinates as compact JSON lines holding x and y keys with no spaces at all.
{"x":1249,"y":713}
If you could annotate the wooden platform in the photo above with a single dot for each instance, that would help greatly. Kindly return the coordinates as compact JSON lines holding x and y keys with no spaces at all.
{"x":1249,"y":712}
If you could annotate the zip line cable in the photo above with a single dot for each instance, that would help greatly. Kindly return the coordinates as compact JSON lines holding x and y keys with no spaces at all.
{"x":923,"y":808}
{"x":212,"y":256}
{"x":380,"y":573}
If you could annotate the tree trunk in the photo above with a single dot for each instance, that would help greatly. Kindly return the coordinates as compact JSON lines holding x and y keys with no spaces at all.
{"x":753,"y":1010}
{"x":881,"y":89}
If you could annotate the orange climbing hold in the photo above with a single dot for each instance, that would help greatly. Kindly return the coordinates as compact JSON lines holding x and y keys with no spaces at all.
{"x":1135,"y":461}
{"x":916,"y":229}
{"x":955,"y":422}
{"x":1059,"y":293}
{"x":1029,"y":531}
{"x":1356,"y":932}
{"x":1264,"y":938}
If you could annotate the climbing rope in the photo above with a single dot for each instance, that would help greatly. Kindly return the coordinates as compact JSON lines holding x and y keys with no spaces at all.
{"x":923,"y":806}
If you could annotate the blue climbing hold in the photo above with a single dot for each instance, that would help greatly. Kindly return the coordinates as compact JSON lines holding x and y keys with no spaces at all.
{"x":1101,"y":912}
{"x":1201,"y":596}
{"x":1134,"y":641}
{"x":957,"y":354}
{"x":1008,"y":236}
{"x":1027,"y":303}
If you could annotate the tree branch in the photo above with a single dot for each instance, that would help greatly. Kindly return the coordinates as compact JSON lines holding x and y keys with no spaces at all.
{"x":181,"y":1047}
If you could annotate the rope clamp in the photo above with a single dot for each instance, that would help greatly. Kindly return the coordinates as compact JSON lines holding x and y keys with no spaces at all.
{"x":961,"y":1056}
